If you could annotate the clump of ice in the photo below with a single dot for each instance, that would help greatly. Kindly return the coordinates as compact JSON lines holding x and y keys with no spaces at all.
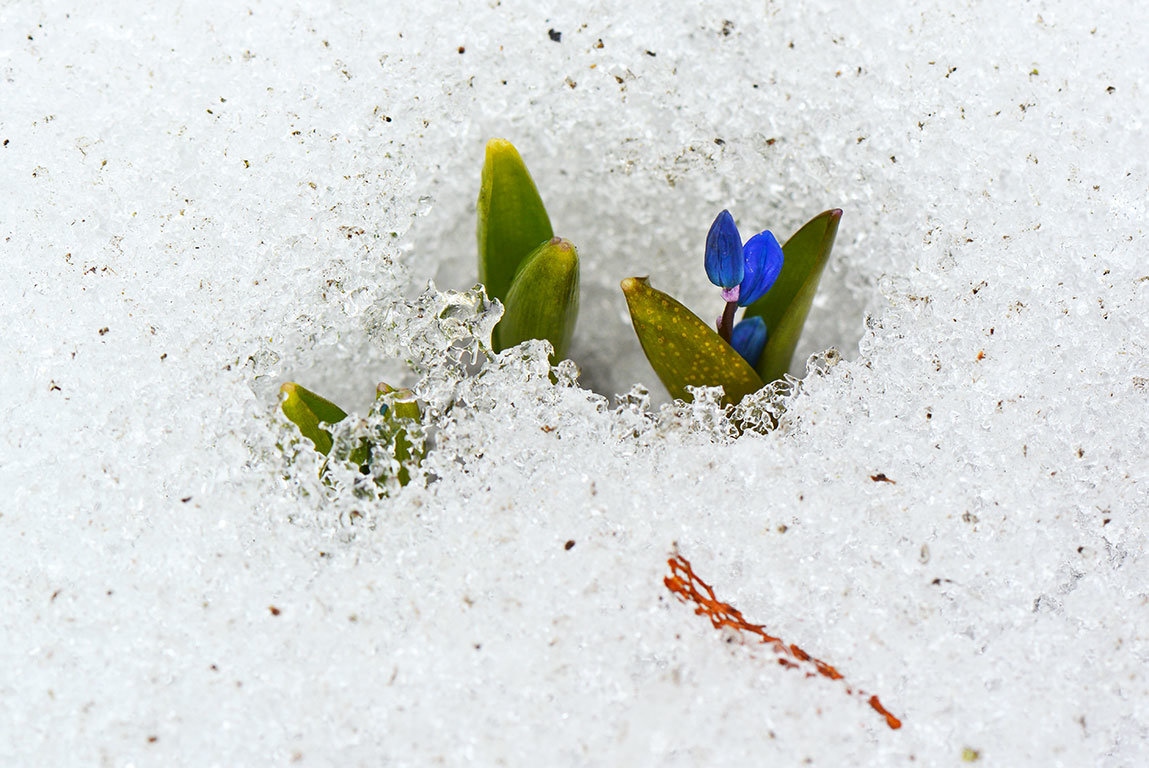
{"x":200,"y":203}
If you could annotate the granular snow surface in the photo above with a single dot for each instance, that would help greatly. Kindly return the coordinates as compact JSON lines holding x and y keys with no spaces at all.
{"x":200,"y":201}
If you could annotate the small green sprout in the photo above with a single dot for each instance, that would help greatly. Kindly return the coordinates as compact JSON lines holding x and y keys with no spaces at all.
{"x":399,"y":406}
{"x":534,"y":274}
{"x":543,"y":300}
{"x":309,"y":412}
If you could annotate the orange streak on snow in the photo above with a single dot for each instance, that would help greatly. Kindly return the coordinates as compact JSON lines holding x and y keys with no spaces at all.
{"x":686,"y":584}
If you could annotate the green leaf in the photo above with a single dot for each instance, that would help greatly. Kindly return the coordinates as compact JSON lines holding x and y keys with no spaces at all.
{"x":307,"y":410}
{"x":786,"y":305}
{"x":512,"y":220}
{"x":401,"y":403}
{"x":400,"y":406}
{"x":542,"y":302}
{"x":683,"y":350}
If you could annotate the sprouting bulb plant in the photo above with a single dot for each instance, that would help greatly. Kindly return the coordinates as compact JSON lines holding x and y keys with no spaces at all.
{"x":774,"y":284}
{"x":533,"y":273}
{"x":398,"y":407}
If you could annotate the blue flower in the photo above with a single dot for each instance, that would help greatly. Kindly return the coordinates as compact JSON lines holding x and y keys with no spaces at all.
{"x":749,"y":339}
{"x":724,"y":264}
{"x":762,"y":258}
{"x":745,"y":273}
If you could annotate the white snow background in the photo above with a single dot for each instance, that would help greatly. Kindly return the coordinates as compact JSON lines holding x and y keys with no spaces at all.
{"x":199,"y":201}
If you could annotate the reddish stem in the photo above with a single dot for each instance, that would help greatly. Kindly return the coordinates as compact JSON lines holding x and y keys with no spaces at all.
{"x":726,"y":324}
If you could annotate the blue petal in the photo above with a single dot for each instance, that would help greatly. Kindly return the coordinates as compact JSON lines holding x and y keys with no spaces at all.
{"x":762,"y":258}
{"x":749,"y":339}
{"x":724,"y":252}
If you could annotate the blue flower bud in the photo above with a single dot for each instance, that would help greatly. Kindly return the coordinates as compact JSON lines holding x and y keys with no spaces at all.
{"x":762,"y":263}
{"x":724,"y":252}
{"x":749,"y":339}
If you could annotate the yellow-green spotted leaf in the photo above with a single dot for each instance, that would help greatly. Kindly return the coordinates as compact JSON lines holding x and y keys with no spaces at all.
{"x":512,"y":219}
{"x":542,"y":302}
{"x":683,"y":350}
{"x":307,"y":410}
{"x":786,"y":305}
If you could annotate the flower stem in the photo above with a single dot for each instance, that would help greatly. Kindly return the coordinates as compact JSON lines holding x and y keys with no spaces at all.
{"x":726,"y":324}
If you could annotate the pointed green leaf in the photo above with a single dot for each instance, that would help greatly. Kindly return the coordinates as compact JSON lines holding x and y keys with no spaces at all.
{"x":786,"y":305}
{"x":307,"y":410}
{"x":683,"y":350}
{"x":512,"y":219}
{"x":542,"y":302}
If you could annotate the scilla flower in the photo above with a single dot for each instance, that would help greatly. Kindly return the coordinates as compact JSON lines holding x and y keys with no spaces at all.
{"x":749,"y":339}
{"x":744,"y":272}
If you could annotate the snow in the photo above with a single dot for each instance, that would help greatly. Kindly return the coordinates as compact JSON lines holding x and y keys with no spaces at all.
{"x":199,"y":202}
